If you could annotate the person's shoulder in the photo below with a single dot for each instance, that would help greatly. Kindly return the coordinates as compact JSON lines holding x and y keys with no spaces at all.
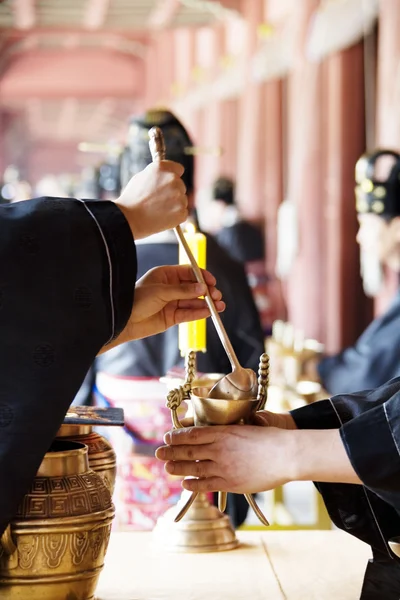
{"x":220,"y":261}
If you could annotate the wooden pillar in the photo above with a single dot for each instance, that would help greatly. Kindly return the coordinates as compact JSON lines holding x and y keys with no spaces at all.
{"x":208,"y":53}
{"x":273,"y":186}
{"x":343,"y":299}
{"x":304,"y":149}
{"x":229,"y":136}
{"x":251,"y":125}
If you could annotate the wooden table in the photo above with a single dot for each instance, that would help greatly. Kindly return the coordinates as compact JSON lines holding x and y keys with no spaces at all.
{"x":275,"y":565}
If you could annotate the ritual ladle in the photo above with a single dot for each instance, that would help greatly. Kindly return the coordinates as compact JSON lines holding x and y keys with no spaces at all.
{"x":241,"y":383}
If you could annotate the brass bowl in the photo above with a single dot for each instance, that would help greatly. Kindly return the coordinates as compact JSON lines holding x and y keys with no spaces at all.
{"x":220,"y":411}
{"x":394,"y":545}
{"x":101,"y":455}
{"x":60,"y":532}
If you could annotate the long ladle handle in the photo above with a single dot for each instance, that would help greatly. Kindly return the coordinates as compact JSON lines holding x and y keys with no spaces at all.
{"x":157,"y":149}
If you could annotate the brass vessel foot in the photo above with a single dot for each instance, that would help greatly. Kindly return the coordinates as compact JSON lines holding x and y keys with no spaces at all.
{"x":203,"y":529}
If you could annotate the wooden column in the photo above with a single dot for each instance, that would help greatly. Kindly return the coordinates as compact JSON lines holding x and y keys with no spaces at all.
{"x":229,"y":137}
{"x":343,"y":299}
{"x":273,"y":186}
{"x":304,"y":149}
{"x":251,"y":136}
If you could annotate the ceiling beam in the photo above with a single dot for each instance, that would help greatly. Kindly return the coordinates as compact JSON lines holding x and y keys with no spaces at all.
{"x":24,"y":13}
{"x":95,"y":14}
{"x":163,"y":13}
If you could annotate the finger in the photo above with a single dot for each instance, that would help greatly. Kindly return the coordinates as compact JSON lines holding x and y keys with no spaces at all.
{"x":209,"y":277}
{"x":193,"y":435}
{"x":199,"y":302}
{"x":185,"y":453}
{"x":203,"y":468}
{"x":181,"y":291}
{"x":187,"y":422}
{"x":180,"y":186}
{"x":171,"y":166}
{"x":185,"y":273}
{"x":211,"y":484}
{"x":185,"y":315}
{"x":260,"y":418}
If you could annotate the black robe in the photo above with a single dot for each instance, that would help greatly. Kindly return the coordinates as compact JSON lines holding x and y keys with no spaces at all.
{"x":243,"y":241}
{"x":369,"y":424}
{"x":372,"y":361}
{"x":66,"y":288}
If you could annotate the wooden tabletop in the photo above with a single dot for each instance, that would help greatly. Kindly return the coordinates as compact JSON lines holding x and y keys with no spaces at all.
{"x":275,"y":565}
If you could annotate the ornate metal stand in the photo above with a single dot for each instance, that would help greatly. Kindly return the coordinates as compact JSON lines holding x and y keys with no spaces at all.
{"x":207,"y":529}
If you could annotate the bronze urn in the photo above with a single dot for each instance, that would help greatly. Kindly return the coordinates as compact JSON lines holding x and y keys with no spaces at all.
{"x":55,"y":546}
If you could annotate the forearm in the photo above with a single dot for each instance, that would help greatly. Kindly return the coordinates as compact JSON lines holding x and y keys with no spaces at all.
{"x":319,"y":455}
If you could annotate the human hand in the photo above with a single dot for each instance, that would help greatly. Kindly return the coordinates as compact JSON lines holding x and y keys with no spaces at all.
{"x":265,"y":418}
{"x":154,"y":199}
{"x":167,"y":296}
{"x":236,"y":458}
{"x":248,"y":459}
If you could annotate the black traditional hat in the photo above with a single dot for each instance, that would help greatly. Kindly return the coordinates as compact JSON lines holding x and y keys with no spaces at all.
{"x":178,"y":145}
{"x":378,"y":196}
{"x":224,"y":189}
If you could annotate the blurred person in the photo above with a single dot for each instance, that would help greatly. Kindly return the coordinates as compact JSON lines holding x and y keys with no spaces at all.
{"x":374,"y":359}
{"x":130,"y":373}
{"x":245,"y":242}
{"x":66,"y":294}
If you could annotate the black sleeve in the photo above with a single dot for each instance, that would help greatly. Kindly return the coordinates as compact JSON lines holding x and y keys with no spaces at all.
{"x":369,"y":424}
{"x":67,"y":281}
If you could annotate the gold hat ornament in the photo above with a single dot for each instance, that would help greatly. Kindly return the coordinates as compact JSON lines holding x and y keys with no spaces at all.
{"x":378,"y":196}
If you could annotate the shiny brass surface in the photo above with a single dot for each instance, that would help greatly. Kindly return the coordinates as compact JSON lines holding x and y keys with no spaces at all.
{"x":219,"y":411}
{"x":241,"y":383}
{"x":61,"y":531}
{"x":203,"y":529}
{"x":102,"y":458}
{"x":394,"y":545}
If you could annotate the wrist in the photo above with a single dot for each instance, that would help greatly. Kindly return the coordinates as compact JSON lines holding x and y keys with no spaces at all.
{"x":129,"y":216}
{"x":319,"y":455}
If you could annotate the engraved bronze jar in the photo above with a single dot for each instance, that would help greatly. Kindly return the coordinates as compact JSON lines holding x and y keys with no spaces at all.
{"x":54,"y":548}
{"x":102,"y":458}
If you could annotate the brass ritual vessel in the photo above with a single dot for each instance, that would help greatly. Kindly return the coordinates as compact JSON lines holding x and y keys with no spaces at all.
{"x":54,"y":548}
{"x":102,"y":458}
{"x":205,"y":528}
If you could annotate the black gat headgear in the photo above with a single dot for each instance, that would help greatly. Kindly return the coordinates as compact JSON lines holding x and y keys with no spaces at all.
{"x":378,"y":196}
{"x":178,"y":145}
